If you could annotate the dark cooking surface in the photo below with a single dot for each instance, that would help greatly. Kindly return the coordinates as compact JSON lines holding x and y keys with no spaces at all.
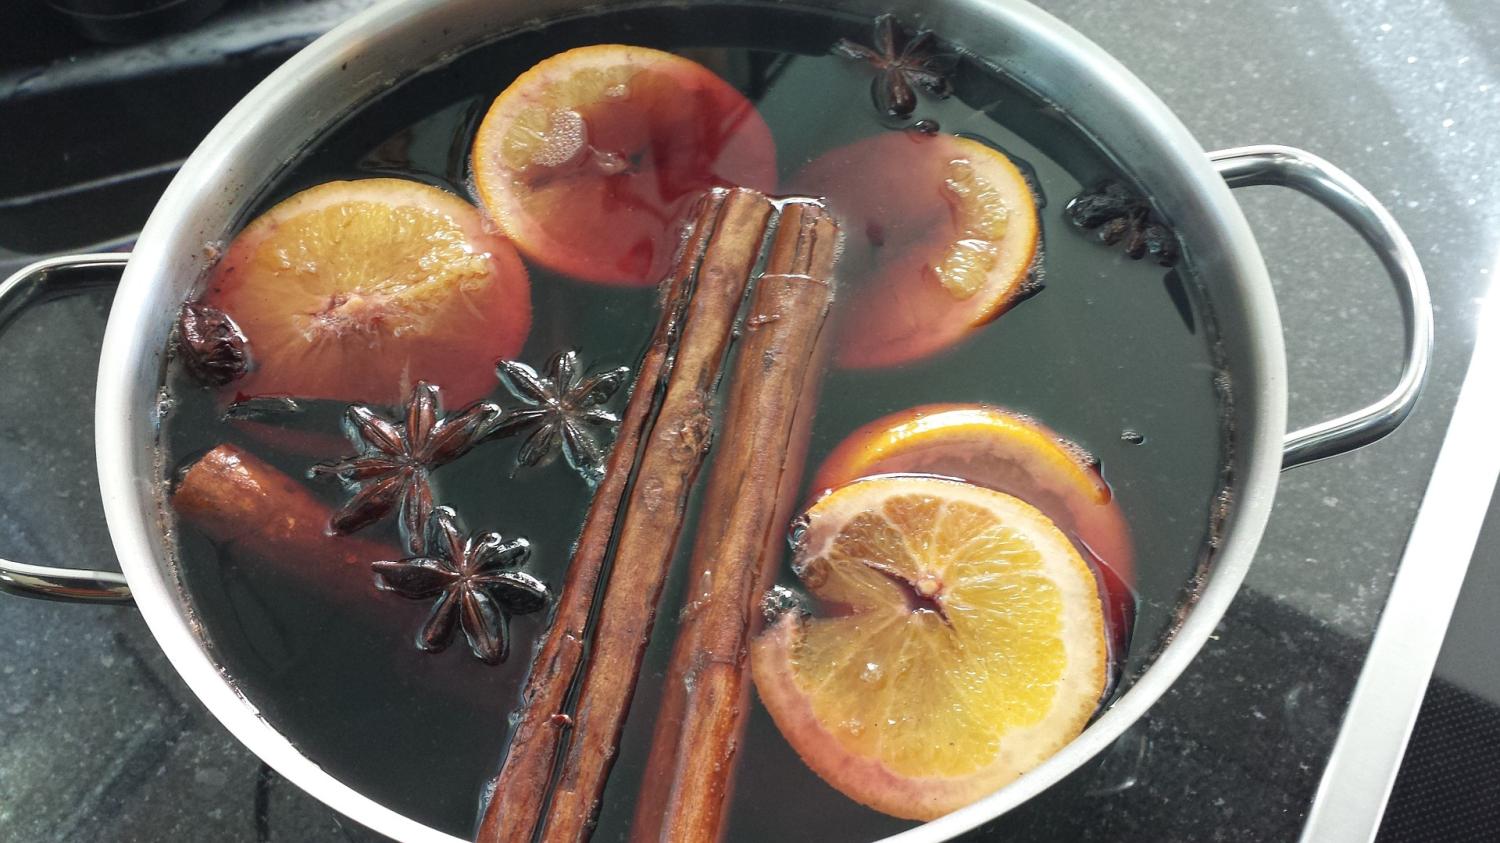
{"x":1451,"y":773}
{"x":100,"y":741}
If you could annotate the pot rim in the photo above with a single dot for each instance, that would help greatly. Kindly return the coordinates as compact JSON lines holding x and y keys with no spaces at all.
{"x":130,"y":470}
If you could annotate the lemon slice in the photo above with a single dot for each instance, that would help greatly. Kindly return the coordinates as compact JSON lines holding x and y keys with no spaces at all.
{"x":965,"y":644}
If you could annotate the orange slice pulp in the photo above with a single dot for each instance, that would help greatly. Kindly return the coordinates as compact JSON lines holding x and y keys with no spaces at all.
{"x":356,"y":290}
{"x":588,"y":159}
{"x":965,"y":644}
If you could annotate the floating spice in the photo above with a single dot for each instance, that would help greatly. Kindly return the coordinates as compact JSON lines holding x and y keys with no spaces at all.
{"x":214,"y":349}
{"x":636,"y":516}
{"x":899,"y":73}
{"x":675,"y":449}
{"x":1115,"y":214}
{"x":392,"y":467}
{"x":518,"y":801}
{"x":750,"y":495}
{"x":475,"y":583}
{"x":564,"y":411}
{"x":259,"y":515}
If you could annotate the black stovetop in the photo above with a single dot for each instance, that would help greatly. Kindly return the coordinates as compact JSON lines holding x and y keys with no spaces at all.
{"x":99,"y":740}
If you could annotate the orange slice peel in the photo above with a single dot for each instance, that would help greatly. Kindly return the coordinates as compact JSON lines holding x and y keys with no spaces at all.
{"x":998,"y":449}
{"x":964,"y":644}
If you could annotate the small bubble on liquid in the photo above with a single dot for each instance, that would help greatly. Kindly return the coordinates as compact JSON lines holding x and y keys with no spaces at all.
{"x":487,"y":792}
{"x":796,"y":536}
{"x":1079,"y":453}
{"x":609,"y":163}
{"x":566,"y":134}
{"x":1131,"y":437}
{"x":165,"y":404}
{"x":872,"y":672}
{"x":780,"y":600}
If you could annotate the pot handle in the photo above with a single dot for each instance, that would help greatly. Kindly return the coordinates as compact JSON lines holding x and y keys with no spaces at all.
{"x":50,"y":279}
{"x":1336,"y":190}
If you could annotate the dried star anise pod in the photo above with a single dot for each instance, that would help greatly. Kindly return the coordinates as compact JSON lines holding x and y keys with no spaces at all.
{"x":392,"y":467}
{"x":214,"y":349}
{"x":474,"y":582}
{"x":1115,"y":214}
{"x":900,"y":72}
{"x":564,"y":412}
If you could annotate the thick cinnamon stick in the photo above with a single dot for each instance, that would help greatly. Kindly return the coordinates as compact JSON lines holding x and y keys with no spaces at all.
{"x":713,"y":270}
{"x":755,"y":476}
{"x":521,"y":789}
{"x":674,"y":452}
{"x":255,"y":510}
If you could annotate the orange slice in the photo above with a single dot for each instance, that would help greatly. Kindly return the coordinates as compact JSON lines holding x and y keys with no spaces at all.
{"x":589,"y":159}
{"x":942,"y":229}
{"x":997,"y":449}
{"x":356,"y":290}
{"x":965,"y":647}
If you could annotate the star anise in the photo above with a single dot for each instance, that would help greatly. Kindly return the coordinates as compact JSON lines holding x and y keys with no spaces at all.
{"x":1115,"y":214}
{"x":564,"y":412}
{"x":395,"y":459}
{"x":898,"y":73}
{"x":214,"y":349}
{"x":475,"y":583}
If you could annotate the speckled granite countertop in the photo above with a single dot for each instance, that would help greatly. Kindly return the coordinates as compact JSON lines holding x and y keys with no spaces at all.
{"x":100,"y":741}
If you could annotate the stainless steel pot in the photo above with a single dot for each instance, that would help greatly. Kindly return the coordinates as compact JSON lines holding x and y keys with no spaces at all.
{"x":323,"y":82}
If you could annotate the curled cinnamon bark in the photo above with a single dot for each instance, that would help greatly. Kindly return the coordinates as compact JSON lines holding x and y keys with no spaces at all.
{"x":751,"y":489}
{"x":674,"y":452}
{"x":703,"y":294}
{"x":253,"y":509}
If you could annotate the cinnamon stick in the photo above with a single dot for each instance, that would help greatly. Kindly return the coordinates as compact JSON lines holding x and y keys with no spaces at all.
{"x":751,"y":489}
{"x":255,"y":510}
{"x":262,"y":517}
{"x":710,"y":277}
{"x":520,"y":791}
